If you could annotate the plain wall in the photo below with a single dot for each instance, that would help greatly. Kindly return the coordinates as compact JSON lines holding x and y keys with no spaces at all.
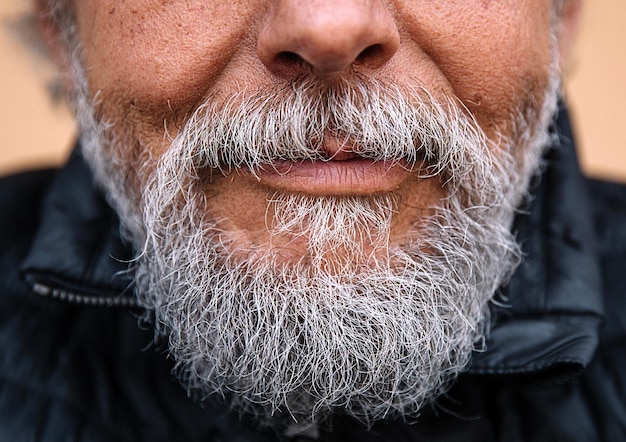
{"x":35,"y":133}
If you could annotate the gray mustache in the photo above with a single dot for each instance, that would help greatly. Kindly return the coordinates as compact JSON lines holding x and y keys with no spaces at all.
{"x":376,"y":121}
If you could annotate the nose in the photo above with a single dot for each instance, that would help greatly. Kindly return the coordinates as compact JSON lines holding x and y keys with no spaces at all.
{"x":327,"y":36}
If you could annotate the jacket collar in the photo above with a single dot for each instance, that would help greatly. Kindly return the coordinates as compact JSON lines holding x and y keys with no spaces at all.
{"x":77,"y":254}
{"x":555,"y":304}
{"x":554,"y":299}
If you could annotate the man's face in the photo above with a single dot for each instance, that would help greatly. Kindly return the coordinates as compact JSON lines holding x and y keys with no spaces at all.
{"x":322,"y":190}
{"x":153,"y":63}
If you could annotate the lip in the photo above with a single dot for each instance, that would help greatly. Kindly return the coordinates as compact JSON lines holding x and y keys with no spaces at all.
{"x":354,"y":176}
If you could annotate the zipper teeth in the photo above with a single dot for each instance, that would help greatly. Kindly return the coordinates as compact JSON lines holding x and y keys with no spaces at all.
{"x":77,"y":298}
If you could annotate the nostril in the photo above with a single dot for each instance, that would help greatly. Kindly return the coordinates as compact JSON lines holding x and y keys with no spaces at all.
{"x":287,"y":63}
{"x":288,"y":58}
{"x":371,"y":54}
{"x":327,"y":37}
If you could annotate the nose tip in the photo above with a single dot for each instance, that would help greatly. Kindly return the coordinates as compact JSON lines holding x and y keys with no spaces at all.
{"x":327,"y":36}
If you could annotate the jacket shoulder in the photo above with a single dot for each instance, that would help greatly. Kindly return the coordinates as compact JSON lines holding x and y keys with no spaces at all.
{"x":20,"y":202}
{"x":609,"y":211}
{"x":606,"y":378}
{"x":32,"y":184}
{"x":21,"y":197}
{"x":609,"y":206}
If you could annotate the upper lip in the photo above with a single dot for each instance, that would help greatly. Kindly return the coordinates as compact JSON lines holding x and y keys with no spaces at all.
{"x":339,"y":170}
{"x":343,"y":155}
{"x":344,"y":174}
{"x":337,"y":149}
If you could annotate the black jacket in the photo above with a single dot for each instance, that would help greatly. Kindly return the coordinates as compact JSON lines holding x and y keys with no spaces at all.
{"x":75,"y":365}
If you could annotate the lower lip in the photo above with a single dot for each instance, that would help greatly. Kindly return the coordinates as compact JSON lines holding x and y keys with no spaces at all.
{"x":351,"y":177}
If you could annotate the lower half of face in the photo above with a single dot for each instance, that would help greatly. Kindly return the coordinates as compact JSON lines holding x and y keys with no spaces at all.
{"x":322,"y":247}
{"x":247,"y":161}
{"x":363,"y":293}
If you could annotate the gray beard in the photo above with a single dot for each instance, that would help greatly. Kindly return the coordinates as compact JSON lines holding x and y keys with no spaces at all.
{"x":381,"y":337}
{"x":371,"y":334}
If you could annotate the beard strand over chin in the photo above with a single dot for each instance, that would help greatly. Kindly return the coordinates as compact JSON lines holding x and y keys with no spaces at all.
{"x":371,"y":332}
{"x":378,"y":341}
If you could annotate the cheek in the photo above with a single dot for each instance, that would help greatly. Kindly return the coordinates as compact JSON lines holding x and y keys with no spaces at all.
{"x":159,"y":54}
{"x":151,"y":62}
{"x":493,"y":54}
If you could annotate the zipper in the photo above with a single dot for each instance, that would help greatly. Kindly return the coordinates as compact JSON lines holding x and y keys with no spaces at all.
{"x":81,"y":299}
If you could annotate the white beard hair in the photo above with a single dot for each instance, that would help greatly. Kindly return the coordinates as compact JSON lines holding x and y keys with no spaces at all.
{"x":296,"y":342}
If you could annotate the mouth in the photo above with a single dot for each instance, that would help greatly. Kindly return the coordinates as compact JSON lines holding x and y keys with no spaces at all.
{"x":350,"y":175}
{"x":339,"y":171}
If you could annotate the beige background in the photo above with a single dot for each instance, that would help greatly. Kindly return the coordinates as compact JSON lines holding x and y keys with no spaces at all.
{"x":35,"y":133}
